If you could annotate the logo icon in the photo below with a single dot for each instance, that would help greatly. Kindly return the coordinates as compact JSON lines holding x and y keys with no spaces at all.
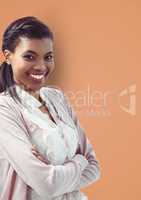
{"x":131,"y":93}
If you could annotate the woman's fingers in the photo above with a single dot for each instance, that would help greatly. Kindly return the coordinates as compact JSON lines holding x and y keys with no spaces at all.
{"x":38,"y":155}
{"x":41,"y":158}
{"x":34,"y":147}
{"x":35,"y":152}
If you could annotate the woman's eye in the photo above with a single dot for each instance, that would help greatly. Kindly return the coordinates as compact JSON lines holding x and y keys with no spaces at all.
{"x":29,"y":57}
{"x":49,"y":58}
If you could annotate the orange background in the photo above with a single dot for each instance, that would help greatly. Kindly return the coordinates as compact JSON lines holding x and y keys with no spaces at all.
{"x":97,"y":47}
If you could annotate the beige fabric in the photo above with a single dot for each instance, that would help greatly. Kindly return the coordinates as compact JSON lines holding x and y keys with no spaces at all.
{"x":22,"y":175}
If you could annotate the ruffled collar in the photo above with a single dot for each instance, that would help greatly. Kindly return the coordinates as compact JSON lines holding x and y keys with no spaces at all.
{"x":48,"y":95}
{"x":27,"y":99}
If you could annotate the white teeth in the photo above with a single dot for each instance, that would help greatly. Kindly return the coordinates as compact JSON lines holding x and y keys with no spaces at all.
{"x":37,"y":76}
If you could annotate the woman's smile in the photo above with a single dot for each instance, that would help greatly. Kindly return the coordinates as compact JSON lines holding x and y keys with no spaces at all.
{"x":38,"y":76}
{"x":32,"y":62}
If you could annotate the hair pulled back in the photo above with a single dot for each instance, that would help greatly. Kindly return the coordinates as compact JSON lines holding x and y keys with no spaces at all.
{"x":29,"y":27}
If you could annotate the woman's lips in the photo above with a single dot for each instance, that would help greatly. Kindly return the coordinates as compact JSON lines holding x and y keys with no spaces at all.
{"x":38,"y":72}
{"x":38,"y":75}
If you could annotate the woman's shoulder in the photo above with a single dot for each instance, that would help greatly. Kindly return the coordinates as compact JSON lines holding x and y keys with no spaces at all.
{"x":8,"y":103}
{"x":56,"y":95}
{"x":5,"y":99}
{"x":53,"y":88}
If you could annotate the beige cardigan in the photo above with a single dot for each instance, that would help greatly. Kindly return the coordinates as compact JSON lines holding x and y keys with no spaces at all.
{"x":21,"y":171}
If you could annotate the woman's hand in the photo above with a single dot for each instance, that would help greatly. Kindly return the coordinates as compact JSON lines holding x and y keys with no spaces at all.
{"x":38,"y":155}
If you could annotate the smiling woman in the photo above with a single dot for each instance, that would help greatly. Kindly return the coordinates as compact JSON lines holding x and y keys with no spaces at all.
{"x":32,"y":61}
{"x":44,"y":152}
{"x":28,"y":49}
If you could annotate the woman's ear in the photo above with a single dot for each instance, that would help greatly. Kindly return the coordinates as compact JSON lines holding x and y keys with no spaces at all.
{"x":7,"y":55}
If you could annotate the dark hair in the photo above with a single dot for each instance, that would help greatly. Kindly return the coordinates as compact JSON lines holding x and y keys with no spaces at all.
{"x":29,"y":27}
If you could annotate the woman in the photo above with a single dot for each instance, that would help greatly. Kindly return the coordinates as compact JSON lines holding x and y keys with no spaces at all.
{"x":44,"y":152}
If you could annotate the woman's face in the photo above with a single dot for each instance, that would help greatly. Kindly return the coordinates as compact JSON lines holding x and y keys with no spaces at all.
{"x":32,"y":62}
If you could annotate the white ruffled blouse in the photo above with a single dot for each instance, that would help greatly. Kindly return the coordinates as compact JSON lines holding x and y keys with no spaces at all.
{"x":57,"y":141}
{"x":72,"y":161}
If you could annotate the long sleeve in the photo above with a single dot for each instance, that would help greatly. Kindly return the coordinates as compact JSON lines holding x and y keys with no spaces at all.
{"x":92,"y":171}
{"x":16,"y":148}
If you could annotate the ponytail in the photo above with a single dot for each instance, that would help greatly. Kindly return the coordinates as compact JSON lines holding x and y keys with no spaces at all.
{"x":6,"y":76}
{"x":6,"y":80}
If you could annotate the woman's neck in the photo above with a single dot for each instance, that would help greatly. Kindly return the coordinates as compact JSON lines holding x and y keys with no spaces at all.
{"x":34,"y":93}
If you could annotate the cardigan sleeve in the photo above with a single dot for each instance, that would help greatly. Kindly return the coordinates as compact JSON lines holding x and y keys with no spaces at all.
{"x":92,"y":171}
{"x":16,"y":147}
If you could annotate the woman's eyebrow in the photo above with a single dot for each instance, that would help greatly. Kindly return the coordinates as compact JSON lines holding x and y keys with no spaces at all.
{"x":33,"y":52}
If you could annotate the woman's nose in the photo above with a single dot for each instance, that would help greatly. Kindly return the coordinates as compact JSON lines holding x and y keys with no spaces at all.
{"x":40,"y":66}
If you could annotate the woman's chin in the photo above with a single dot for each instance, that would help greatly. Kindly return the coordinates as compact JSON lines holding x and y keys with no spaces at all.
{"x":36,"y":87}
{"x":31,"y":84}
